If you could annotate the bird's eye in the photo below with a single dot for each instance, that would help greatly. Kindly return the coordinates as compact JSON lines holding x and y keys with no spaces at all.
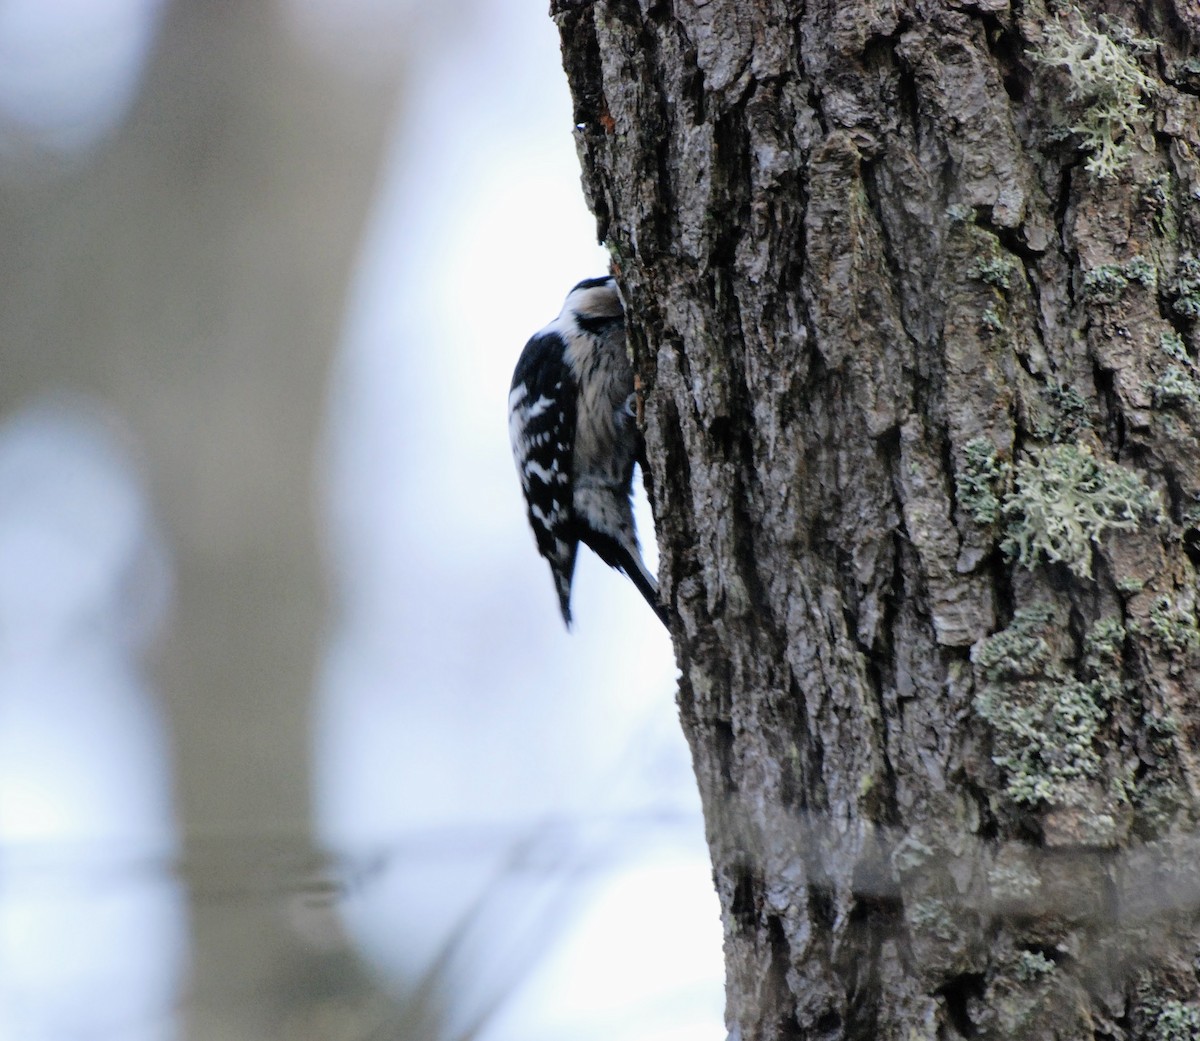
{"x":598,"y":323}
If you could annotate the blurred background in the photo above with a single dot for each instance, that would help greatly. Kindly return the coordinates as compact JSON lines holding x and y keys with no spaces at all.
{"x":292,"y":741}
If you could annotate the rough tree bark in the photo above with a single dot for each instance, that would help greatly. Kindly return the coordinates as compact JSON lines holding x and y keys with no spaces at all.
{"x":914,"y":291}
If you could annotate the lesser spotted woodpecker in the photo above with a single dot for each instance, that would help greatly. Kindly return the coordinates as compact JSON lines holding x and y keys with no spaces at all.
{"x":571,"y":419}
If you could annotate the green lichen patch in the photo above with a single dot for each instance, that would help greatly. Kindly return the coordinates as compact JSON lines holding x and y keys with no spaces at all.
{"x":1020,"y":651}
{"x":1105,"y":283}
{"x":933,"y":918}
{"x":980,"y":484}
{"x":1046,"y":723}
{"x":1103,"y":645}
{"x":1173,"y":347}
{"x":1044,"y":736}
{"x":1183,"y":290}
{"x":994,"y":271}
{"x":1177,"y":1021}
{"x":1065,"y":500}
{"x":1013,"y":885}
{"x":1176,"y":388}
{"x":1172,"y":626}
{"x":1106,"y":87}
{"x":1032,"y":965}
{"x":1139,"y":269}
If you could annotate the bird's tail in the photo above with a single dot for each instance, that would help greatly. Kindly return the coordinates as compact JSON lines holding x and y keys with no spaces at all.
{"x":560,"y":553}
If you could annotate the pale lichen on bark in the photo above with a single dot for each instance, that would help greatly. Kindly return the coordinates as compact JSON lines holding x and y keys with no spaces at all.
{"x":876,"y":274}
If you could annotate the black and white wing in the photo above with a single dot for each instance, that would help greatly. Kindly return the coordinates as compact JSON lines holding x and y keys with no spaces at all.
{"x":541,"y":426}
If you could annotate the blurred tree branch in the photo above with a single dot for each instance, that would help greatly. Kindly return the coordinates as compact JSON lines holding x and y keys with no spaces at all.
{"x":190,"y":275}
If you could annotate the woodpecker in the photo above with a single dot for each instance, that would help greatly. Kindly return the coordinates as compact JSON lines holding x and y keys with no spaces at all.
{"x":572,"y":423}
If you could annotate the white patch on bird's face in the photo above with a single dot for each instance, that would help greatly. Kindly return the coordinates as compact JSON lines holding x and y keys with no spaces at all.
{"x":595,"y":302}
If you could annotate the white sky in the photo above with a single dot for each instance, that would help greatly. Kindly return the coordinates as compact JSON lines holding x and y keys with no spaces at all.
{"x":462,"y":696}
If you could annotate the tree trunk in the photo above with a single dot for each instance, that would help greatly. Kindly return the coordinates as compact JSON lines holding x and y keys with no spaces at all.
{"x":914,"y":292}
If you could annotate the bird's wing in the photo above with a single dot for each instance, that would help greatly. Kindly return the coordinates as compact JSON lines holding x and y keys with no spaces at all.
{"x":541,"y":426}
